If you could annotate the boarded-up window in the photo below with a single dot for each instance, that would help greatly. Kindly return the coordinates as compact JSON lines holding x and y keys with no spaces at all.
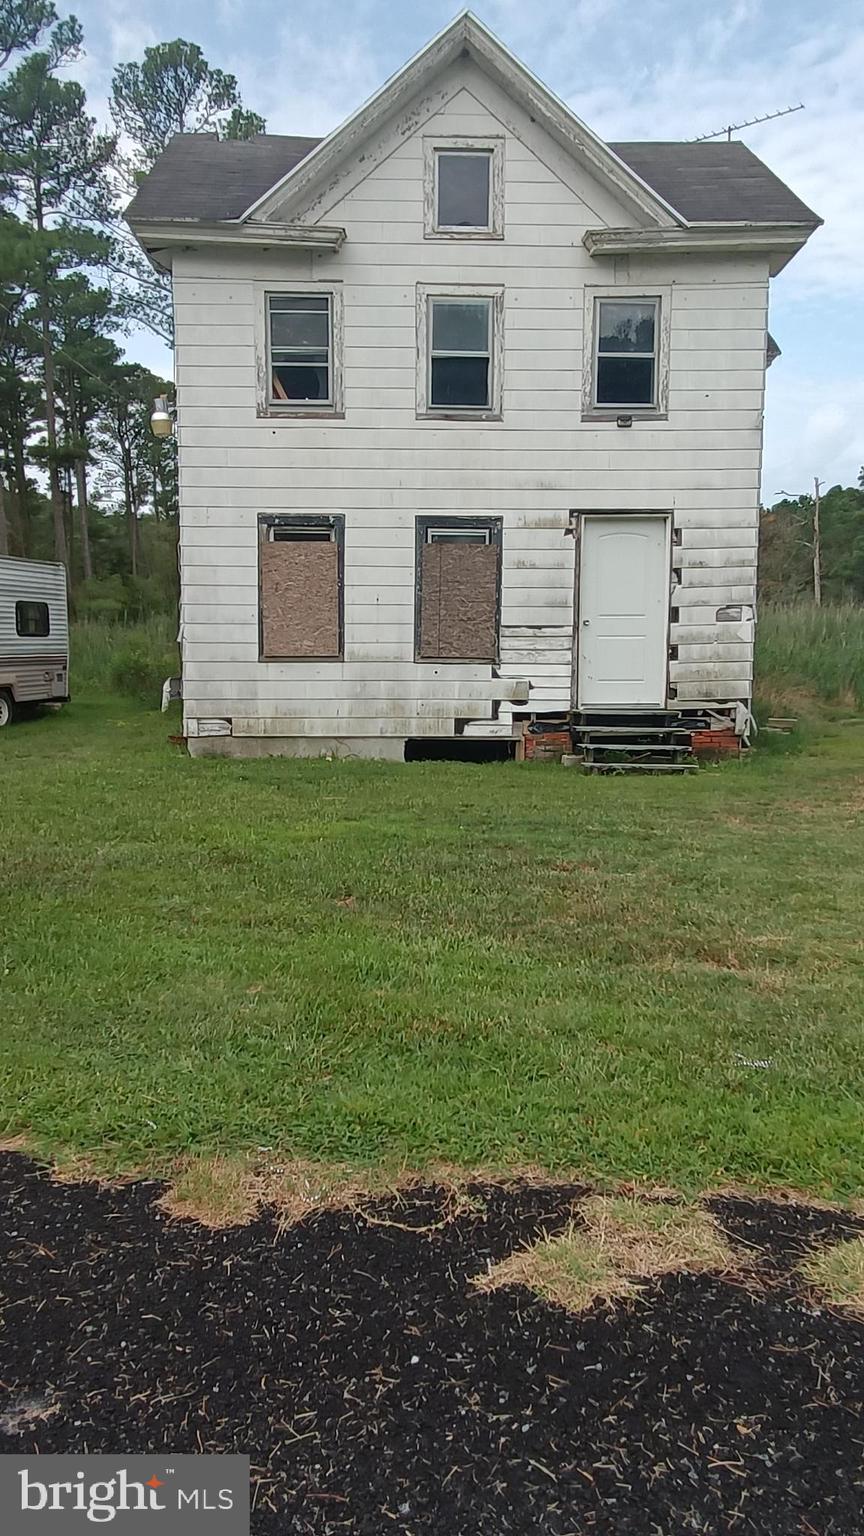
{"x":301,"y":588}
{"x":458,"y":591}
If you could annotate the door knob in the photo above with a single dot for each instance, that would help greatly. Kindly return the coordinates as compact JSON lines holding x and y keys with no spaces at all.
{"x":585,"y":623}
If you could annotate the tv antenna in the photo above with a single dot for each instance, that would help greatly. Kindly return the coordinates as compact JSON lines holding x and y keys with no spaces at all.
{"x":750,"y":123}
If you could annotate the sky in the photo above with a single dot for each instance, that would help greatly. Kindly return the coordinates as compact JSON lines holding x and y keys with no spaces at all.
{"x":631,"y":69}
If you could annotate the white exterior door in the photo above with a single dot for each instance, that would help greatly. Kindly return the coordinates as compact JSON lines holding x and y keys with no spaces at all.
{"x":623,"y":612}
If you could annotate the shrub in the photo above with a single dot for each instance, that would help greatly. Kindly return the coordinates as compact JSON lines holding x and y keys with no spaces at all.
{"x":139,"y":670}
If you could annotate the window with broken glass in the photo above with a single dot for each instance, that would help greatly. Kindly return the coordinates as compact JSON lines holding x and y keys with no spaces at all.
{"x":625,"y":371}
{"x":300,"y":343}
{"x":460,"y":354}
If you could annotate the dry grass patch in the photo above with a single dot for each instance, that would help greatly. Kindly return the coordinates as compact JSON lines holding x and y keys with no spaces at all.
{"x":620,"y":1242}
{"x":229,"y":1191}
{"x":837,"y":1272}
{"x":570,"y":1270}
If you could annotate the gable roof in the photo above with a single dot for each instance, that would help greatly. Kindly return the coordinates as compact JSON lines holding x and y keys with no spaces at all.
{"x":201,"y":177}
{"x":465,"y":38}
{"x":716,"y":183}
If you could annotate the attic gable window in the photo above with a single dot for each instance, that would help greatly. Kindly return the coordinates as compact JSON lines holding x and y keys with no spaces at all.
{"x":463,"y":191}
{"x":463,"y":186}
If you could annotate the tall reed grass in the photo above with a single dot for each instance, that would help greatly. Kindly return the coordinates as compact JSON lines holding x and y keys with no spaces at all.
{"x":805,"y":656}
{"x":132,"y":659}
{"x":810,"y":656}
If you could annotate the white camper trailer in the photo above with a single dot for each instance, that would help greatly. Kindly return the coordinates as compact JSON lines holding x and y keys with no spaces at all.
{"x":34,"y":635}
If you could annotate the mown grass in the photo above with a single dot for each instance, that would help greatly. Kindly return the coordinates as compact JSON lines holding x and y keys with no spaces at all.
{"x":808,"y":656}
{"x":385,"y":965}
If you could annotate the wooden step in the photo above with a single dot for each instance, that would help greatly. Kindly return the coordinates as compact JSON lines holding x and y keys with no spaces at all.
{"x":634,"y":746}
{"x":610,"y":768}
{"x":631,"y":730}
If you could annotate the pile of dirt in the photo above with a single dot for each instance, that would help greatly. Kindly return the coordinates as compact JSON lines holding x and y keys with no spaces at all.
{"x":377,"y":1389}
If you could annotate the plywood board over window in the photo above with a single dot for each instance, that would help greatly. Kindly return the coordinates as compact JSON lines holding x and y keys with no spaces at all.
{"x":301,"y":587}
{"x":458,"y":589}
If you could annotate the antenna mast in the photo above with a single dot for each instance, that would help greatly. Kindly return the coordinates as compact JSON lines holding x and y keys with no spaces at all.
{"x":751,"y":122}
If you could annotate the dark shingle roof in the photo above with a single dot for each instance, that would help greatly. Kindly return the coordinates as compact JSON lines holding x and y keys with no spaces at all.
{"x":201,"y":177}
{"x":716,"y":183}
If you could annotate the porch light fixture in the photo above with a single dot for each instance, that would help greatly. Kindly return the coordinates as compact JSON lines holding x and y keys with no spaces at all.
{"x":161,"y":419}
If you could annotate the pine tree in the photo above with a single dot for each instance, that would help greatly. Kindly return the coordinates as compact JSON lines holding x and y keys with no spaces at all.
{"x":175,"y":90}
{"x":22,"y":23}
{"x":53,"y":163}
{"x":172,"y":90}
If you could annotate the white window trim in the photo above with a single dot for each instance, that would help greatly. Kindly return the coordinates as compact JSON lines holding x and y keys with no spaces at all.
{"x":287,"y":410}
{"x":662,"y":297}
{"x":463,"y":292}
{"x":492,"y":146}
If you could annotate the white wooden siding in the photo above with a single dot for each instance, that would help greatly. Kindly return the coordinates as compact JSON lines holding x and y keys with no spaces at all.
{"x":380,"y":467}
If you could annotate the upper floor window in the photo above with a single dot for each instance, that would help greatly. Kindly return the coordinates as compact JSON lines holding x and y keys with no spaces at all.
{"x":464,"y":188}
{"x":460,"y":353}
{"x":627,"y":337}
{"x":32,"y":620}
{"x":300,"y":347}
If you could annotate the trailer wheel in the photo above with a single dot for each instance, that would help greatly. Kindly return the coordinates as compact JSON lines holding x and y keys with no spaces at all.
{"x":5,"y":707}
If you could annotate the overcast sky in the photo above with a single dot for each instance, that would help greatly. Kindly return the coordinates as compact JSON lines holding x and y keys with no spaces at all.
{"x":656,"y":69}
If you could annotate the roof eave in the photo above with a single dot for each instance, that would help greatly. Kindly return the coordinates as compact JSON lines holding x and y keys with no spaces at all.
{"x":780,"y":242}
{"x":162,"y":233}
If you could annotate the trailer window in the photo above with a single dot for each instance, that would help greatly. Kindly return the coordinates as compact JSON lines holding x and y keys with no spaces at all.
{"x":31,"y":619}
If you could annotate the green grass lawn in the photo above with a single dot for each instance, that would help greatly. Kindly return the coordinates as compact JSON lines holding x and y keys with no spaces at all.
{"x":378,"y":964}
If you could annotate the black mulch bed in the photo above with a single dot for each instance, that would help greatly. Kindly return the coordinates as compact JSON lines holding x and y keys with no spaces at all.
{"x":376,"y":1393}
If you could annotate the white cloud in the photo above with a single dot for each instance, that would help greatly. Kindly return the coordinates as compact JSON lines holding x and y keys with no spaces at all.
{"x":808,"y":433}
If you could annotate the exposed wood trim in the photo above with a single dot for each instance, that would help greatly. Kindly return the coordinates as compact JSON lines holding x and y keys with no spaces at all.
{"x":189,"y":232}
{"x":778,"y":241}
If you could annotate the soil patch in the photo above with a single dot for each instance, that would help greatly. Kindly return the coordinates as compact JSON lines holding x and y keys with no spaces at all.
{"x":377,"y":1391}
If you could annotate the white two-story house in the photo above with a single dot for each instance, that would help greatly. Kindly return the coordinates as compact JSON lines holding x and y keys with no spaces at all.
{"x":469,"y":406}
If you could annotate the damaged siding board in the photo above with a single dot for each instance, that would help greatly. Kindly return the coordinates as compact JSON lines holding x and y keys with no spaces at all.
{"x":301,"y":583}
